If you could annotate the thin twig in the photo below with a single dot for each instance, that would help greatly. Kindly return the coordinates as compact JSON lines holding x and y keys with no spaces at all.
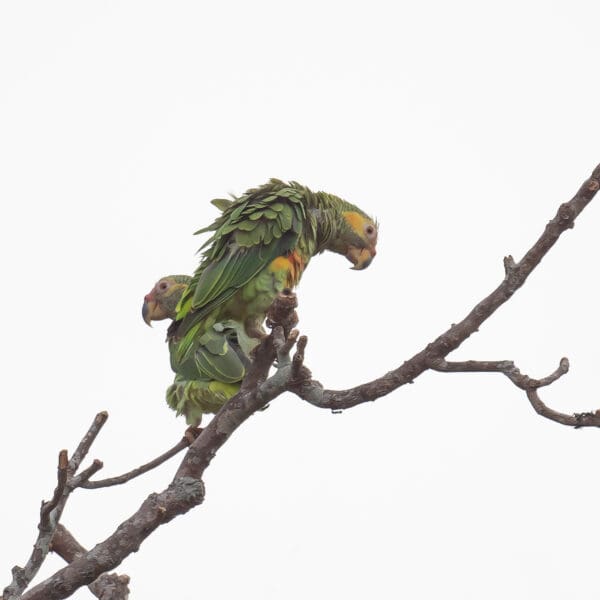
{"x":526,"y":383}
{"x":299,"y":372}
{"x":83,"y":477}
{"x":87,"y":441}
{"x":51,"y":511}
{"x":49,"y":514}
{"x":576,"y":420}
{"x":61,"y":476}
{"x":506,"y":367}
{"x":120,"y":479}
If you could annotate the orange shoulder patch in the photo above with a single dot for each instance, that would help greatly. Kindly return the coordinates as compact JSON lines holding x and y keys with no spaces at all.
{"x":281,"y":263}
{"x":293,"y":265}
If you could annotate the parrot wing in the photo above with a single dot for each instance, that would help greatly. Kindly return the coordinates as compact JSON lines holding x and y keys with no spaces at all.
{"x":216,"y":359}
{"x":212,"y":356}
{"x":252,"y":231}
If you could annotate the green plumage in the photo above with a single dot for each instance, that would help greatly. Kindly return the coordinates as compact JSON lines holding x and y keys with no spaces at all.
{"x":259,"y":245}
{"x":237,"y":278}
{"x":194,"y":398}
{"x":215,"y":366}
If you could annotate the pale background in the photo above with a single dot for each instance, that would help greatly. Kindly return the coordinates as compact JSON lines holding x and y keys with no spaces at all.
{"x":461,"y":126}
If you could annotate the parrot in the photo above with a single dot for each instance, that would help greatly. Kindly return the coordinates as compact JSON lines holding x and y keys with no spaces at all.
{"x":213,"y":373}
{"x":260,"y":245}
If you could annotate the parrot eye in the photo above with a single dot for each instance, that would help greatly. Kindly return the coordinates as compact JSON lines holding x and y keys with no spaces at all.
{"x":162,"y":286}
{"x":370,"y":231}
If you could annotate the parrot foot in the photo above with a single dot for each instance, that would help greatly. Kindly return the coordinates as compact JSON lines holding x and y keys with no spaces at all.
{"x":282,"y":313}
{"x":254,"y":330}
{"x":192,"y":433}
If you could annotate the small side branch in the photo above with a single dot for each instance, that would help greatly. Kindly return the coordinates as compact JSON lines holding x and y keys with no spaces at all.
{"x":51,"y":511}
{"x":86,"y":442}
{"x":576,"y":420}
{"x":506,"y":367}
{"x":526,"y":383}
{"x":120,"y":479}
{"x":62,"y":475}
{"x":49,"y":514}
{"x":82,"y":479}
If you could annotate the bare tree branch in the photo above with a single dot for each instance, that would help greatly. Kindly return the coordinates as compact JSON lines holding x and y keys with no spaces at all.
{"x":506,"y":367}
{"x":526,"y":383}
{"x":515,"y":276}
{"x":87,"y":441}
{"x":51,"y":511}
{"x":107,"y":586}
{"x":49,"y":514}
{"x":120,"y":479}
{"x":48,"y":507}
{"x":82,"y":479}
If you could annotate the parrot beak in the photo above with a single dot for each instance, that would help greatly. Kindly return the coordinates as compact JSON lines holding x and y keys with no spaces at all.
{"x":147,"y":312}
{"x":361,"y":258}
{"x":152,"y":310}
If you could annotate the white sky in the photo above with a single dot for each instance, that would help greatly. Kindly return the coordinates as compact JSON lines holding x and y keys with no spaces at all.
{"x":461,"y":126}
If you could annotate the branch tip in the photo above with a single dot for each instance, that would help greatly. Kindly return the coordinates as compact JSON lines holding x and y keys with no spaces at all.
{"x":509,"y":265}
{"x":63,"y":459}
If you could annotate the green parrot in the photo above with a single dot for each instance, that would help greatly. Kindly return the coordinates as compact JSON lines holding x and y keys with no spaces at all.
{"x":260,"y":245}
{"x":212,"y":373}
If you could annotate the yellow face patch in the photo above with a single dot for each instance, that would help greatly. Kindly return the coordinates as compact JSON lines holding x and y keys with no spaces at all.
{"x":356,"y":221}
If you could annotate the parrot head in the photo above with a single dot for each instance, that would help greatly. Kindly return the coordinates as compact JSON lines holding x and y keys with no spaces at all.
{"x":356,"y":238}
{"x":161,"y":302}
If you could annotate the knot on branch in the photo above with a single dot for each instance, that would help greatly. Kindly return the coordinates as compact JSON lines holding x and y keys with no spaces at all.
{"x":593,"y":185}
{"x":566,"y":216}
{"x":586,"y":419}
{"x":183,"y":494}
{"x":510,"y":266}
{"x":299,"y":374}
{"x":511,"y":274}
{"x":111,"y":586}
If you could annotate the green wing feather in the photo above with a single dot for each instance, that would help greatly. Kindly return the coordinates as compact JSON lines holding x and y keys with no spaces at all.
{"x":261,"y":225}
{"x":222,"y":278}
{"x":222,"y":203}
{"x":213,"y":357}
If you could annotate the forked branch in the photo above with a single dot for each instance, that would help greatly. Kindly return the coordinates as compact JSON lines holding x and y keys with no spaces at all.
{"x":107,"y":586}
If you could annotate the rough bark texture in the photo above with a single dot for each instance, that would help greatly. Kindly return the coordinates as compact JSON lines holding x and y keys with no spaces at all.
{"x":107,"y":586}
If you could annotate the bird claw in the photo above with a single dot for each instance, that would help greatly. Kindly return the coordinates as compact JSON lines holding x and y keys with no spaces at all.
{"x":192,"y":433}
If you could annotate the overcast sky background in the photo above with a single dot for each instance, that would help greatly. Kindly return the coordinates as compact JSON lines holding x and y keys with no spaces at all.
{"x":461,"y":126}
